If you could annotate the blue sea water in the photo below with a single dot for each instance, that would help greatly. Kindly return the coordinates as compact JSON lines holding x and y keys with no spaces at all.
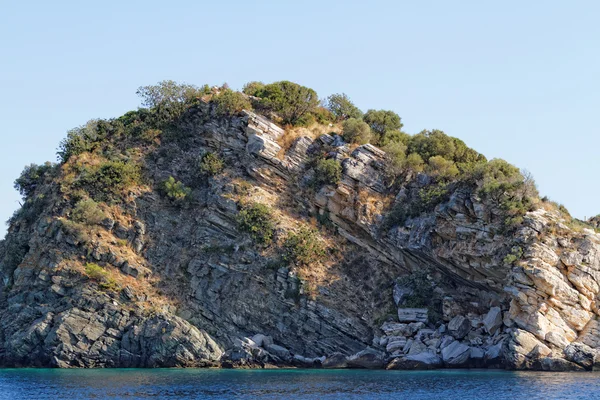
{"x":294,"y":384}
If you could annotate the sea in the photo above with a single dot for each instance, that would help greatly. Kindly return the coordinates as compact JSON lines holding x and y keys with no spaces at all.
{"x":294,"y":384}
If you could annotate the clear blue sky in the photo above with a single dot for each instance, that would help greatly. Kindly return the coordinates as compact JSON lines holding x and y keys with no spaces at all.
{"x":514,"y":79}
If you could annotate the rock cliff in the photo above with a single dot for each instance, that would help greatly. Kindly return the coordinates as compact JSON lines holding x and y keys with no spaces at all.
{"x":180,"y":285}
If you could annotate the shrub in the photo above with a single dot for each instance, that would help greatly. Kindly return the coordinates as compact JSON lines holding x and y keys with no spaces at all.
{"x":99,"y":275}
{"x":342,"y":108}
{"x":429,"y":144}
{"x":303,"y":247}
{"x":79,"y":140}
{"x":168,"y":100}
{"x":151,"y":136}
{"x":440,"y":168}
{"x":394,"y":136}
{"x":327,"y":172}
{"x":508,"y":189}
{"x":87,"y":211}
{"x":32,"y":176}
{"x":30,"y":211}
{"x":382,"y":121}
{"x":414,"y":163}
{"x":516,"y":253}
{"x":395,"y":159}
{"x":253,"y":88}
{"x":288,"y":99}
{"x":434,"y":143}
{"x":305,"y":120}
{"x":257,"y":220}
{"x":356,"y":131}
{"x":175,"y":190}
{"x":231,"y":103}
{"x":211,"y":164}
{"x":422,"y":294}
{"x":167,"y":93}
{"x":323,"y":116}
{"x":106,"y":181}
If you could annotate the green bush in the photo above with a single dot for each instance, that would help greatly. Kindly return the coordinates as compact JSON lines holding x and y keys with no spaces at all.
{"x":257,"y":220}
{"x":414,"y":163}
{"x":168,"y":93}
{"x":503,"y":184}
{"x":168,"y":100}
{"x":394,"y":136}
{"x":32,"y":176}
{"x":516,"y":253}
{"x":382,"y":121}
{"x":342,"y":107}
{"x":30,"y":210}
{"x":211,"y":164}
{"x":434,"y":143}
{"x":99,"y":275}
{"x":323,"y":116}
{"x":422,"y":294}
{"x":87,"y":211}
{"x":231,"y":103}
{"x":395,"y":159}
{"x":305,"y":120}
{"x":253,"y":88}
{"x":176,"y":190}
{"x":109,"y":179}
{"x":327,"y":172}
{"x":288,"y":99}
{"x":80,"y":140}
{"x":356,"y":131}
{"x":440,"y":168}
{"x":303,"y":247}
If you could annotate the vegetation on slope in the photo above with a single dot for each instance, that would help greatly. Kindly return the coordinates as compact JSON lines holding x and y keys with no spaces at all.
{"x":104,"y":162}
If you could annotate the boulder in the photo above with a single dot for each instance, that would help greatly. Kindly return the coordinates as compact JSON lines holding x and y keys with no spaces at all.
{"x":279,"y":351}
{"x":400,"y":293}
{"x":304,"y":362}
{"x":493,"y":320}
{"x":581,"y":354}
{"x":559,"y":365}
{"x":262,"y":340}
{"x":367,"y":359}
{"x":459,"y":327}
{"x":335,"y":361}
{"x":412,"y":314}
{"x":395,"y":343}
{"x":394,"y":329}
{"x":456,"y":354}
{"x":422,"y":361}
{"x":493,"y":355}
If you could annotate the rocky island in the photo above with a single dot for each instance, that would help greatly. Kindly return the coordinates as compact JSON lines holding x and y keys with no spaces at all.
{"x":263,"y":229}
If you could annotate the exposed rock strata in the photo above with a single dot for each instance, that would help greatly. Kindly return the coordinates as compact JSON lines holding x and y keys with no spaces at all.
{"x":537,"y":312}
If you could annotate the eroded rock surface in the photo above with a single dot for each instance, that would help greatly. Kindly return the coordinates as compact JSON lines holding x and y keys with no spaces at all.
{"x":221,"y":303}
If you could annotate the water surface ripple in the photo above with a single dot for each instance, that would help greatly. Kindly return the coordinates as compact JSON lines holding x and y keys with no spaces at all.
{"x":294,"y":384}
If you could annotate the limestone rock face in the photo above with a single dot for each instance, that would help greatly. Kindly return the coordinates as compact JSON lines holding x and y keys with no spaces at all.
{"x":190,"y":289}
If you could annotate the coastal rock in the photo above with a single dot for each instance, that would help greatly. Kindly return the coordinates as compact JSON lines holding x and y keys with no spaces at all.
{"x":367,"y":359}
{"x":456,"y":354}
{"x":422,"y":361}
{"x":459,"y":327}
{"x":493,"y":320}
{"x":181,"y":284}
{"x":412,"y":314}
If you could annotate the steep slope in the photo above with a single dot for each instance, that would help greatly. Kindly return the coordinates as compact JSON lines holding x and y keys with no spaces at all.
{"x":168,"y":277}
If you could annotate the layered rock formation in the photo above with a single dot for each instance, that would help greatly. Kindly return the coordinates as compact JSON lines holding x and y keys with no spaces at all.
{"x":192,"y":290}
